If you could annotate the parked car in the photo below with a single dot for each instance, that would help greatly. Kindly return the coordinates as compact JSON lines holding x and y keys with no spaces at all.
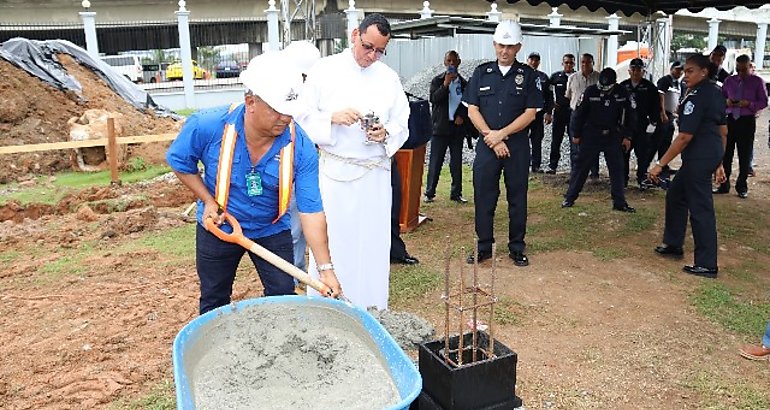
{"x":154,"y":73}
{"x":126,"y":65}
{"x":174,"y":71}
{"x":228,"y":69}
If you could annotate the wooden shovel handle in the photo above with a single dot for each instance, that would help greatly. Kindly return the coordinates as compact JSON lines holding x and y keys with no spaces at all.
{"x":237,"y":237}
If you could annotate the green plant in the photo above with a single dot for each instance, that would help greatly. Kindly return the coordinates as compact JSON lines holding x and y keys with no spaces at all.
{"x":160,"y":397}
{"x":409,"y":282}
{"x":136,"y":164}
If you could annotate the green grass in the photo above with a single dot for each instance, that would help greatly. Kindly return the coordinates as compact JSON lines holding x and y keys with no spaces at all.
{"x":161,"y":397}
{"x":185,"y":112}
{"x":608,"y":254}
{"x":724,"y":306}
{"x":9,"y":256}
{"x":505,"y":311}
{"x":722,"y":393}
{"x":177,"y":243}
{"x":69,"y":182}
{"x":70,"y":263}
{"x":410,"y":282}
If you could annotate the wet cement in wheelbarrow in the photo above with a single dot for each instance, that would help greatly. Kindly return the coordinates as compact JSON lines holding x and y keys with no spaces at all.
{"x":274,"y":356}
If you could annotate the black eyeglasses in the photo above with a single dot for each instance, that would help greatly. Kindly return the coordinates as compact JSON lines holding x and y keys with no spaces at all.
{"x":378,"y":52}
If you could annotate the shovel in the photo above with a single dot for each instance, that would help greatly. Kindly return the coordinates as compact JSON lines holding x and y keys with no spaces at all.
{"x":238,"y":238}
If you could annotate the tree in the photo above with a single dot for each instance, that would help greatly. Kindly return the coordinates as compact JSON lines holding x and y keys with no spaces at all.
{"x":208,"y":57}
{"x":687,"y":40}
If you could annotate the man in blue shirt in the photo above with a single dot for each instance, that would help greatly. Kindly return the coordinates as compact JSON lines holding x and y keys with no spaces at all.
{"x":257,"y":170}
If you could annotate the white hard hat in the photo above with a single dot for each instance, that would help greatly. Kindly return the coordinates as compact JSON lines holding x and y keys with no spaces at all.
{"x":507,"y":33}
{"x":276,"y":80}
{"x":303,"y":53}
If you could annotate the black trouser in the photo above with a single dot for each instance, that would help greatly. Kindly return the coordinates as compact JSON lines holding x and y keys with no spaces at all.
{"x":589,"y":154}
{"x":574,"y":150}
{"x":397,"y":245}
{"x":740,"y":135}
{"x":664,"y":134}
{"x":486,"y":191}
{"x":641,"y":143}
{"x":438,"y":147}
{"x":559,"y":127}
{"x":690,"y":193}
{"x":536,"y":131}
{"x":217,"y":261}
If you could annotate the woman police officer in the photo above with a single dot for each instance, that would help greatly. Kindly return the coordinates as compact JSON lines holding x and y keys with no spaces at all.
{"x":701,"y":141}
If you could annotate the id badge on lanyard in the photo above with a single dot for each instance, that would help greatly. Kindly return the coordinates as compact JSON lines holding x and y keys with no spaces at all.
{"x":253,"y":183}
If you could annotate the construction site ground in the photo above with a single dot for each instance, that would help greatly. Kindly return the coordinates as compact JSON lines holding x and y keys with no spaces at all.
{"x":96,"y":283}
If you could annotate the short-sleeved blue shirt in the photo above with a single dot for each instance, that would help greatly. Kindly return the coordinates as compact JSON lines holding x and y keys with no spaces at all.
{"x":503,"y":98}
{"x":702,"y":113}
{"x":201,"y":139}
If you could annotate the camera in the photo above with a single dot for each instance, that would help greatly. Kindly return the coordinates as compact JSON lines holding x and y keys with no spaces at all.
{"x":369,"y":120}
{"x":451,"y":69}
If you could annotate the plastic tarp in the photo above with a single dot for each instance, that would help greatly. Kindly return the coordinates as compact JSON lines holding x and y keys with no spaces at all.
{"x":39,"y":59}
{"x":647,"y":7}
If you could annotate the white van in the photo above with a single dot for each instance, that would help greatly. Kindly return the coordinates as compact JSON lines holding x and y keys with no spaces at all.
{"x":126,"y":65}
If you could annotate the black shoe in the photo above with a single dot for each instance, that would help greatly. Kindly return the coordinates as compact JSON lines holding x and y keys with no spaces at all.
{"x":551,"y":171}
{"x":519,"y":258}
{"x":668,"y":250}
{"x":567,"y":203}
{"x":624,"y":208}
{"x":406,"y":260}
{"x":427,"y":199}
{"x":538,"y":171}
{"x":751,"y":172}
{"x":743,"y":195}
{"x":482,"y":257}
{"x":459,"y":199}
{"x":721,"y":190}
{"x":701,"y":271}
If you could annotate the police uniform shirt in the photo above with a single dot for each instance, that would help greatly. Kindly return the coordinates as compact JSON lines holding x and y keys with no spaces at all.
{"x":645,"y":95}
{"x":701,"y":113}
{"x":200,"y":140}
{"x":503,"y":98}
{"x":558,"y":82}
{"x":673,"y":90}
{"x":600,"y":116}
{"x":546,"y":90}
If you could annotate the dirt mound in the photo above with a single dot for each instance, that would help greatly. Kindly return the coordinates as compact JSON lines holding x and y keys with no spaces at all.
{"x":34,"y":112}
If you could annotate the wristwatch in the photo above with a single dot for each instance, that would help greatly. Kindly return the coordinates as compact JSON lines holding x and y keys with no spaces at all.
{"x":659,"y":164}
{"x":324,"y":266}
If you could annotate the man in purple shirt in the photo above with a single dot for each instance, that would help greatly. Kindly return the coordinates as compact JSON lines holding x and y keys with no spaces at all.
{"x":746,"y":95}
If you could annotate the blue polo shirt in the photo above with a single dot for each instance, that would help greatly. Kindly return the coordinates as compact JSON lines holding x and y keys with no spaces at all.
{"x":201,"y":139}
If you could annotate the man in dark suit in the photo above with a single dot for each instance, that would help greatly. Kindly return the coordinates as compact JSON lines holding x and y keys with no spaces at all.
{"x":450,"y":119}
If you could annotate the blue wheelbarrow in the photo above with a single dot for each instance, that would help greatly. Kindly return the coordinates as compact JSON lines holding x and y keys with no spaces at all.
{"x":401,"y":369}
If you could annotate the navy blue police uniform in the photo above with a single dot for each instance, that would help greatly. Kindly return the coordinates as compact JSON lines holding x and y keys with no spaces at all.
{"x":645,"y":94}
{"x":501,"y":99}
{"x":602,"y":121}
{"x":536,"y":129}
{"x":561,"y":115}
{"x":701,"y":114}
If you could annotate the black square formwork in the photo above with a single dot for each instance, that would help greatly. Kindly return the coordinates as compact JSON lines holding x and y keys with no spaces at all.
{"x":484,"y":384}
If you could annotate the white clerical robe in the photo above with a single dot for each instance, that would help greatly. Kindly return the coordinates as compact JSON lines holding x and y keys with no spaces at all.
{"x":354,"y":176}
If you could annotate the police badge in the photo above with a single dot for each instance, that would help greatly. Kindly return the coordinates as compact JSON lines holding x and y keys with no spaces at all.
{"x":688,"y":108}
{"x":519,"y":79}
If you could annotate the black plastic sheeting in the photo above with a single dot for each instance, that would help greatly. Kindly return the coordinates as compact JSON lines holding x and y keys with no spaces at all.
{"x":39,"y":59}
{"x":647,"y":7}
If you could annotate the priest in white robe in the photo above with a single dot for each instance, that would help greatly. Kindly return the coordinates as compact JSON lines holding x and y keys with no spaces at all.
{"x":354,"y":178}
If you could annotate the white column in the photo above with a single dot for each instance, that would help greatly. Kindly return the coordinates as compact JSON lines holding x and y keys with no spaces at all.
{"x":554,"y":19}
{"x":183,"y":18}
{"x":352,"y":14}
{"x":661,"y":51}
{"x":273,"y":38}
{"x":493,"y":14}
{"x":612,"y":41}
{"x":713,"y":32}
{"x":759,"y":46}
{"x":426,"y":12}
{"x":89,"y":27}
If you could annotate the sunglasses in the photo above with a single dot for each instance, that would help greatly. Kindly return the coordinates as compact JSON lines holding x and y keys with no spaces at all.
{"x":369,"y":47}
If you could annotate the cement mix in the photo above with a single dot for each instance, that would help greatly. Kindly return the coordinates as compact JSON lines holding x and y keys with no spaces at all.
{"x":274,"y":356}
{"x":409,"y":330}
